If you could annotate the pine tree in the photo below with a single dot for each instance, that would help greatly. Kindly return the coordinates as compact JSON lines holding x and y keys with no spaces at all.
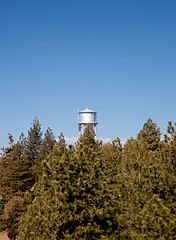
{"x":17,"y":170}
{"x":150,"y":135}
{"x":61,"y":140}
{"x":47,"y":144}
{"x":14,"y":170}
{"x":34,"y":140}
{"x":172,"y":144}
{"x":90,"y":191}
{"x":61,"y":144}
{"x":145,"y":172}
{"x":72,"y":200}
{"x":156,"y":221}
{"x":32,"y":150}
{"x":112,"y":155}
{"x":168,"y":156}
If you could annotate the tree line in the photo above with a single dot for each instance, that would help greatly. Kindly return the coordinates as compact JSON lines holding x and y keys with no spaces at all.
{"x":49,"y":190}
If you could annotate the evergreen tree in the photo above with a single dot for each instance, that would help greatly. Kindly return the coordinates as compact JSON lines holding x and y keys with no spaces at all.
{"x":168,"y":156}
{"x":72,"y":198}
{"x":172,"y":144}
{"x":91,"y":191}
{"x":14,"y":170}
{"x":21,"y":163}
{"x":150,"y":135}
{"x":87,"y":141}
{"x":61,"y":144}
{"x":112,"y":155}
{"x":145,"y":171}
{"x":61,"y":140}
{"x":156,"y":221}
{"x":32,"y":150}
{"x":34,"y":140}
{"x":47,"y":144}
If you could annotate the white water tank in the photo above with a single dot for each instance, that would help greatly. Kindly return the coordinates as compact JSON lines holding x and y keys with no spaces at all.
{"x":86,"y":117}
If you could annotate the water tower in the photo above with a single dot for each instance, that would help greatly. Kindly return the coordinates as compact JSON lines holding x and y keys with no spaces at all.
{"x":86,"y":117}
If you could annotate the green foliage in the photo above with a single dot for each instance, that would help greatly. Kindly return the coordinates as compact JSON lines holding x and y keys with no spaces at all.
{"x":72,"y":198}
{"x":61,"y":140}
{"x":145,"y":171}
{"x":156,"y":221}
{"x":90,"y":191}
{"x":150,"y":135}
{"x":47,"y":145}
{"x":111,"y":157}
{"x":14,"y":170}
{"x":32,"y":151}
{"x":21,"y":164}
{"x":87,"y":140}
{"x":61,"y":144}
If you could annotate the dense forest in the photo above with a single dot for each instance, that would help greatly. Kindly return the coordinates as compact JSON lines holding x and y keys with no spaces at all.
{"x":49,"y":190}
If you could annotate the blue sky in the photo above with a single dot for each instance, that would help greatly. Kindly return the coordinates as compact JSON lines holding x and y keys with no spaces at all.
{"x":116,"y":57}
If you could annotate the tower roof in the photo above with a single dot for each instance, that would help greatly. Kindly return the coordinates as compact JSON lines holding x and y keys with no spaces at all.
{"x":86,"y":110}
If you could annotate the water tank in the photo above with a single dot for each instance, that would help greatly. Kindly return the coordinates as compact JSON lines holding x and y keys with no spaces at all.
{"x":86,"y":117}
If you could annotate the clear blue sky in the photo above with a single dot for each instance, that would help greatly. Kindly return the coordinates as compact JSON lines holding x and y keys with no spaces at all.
{"x":116,"y":57}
